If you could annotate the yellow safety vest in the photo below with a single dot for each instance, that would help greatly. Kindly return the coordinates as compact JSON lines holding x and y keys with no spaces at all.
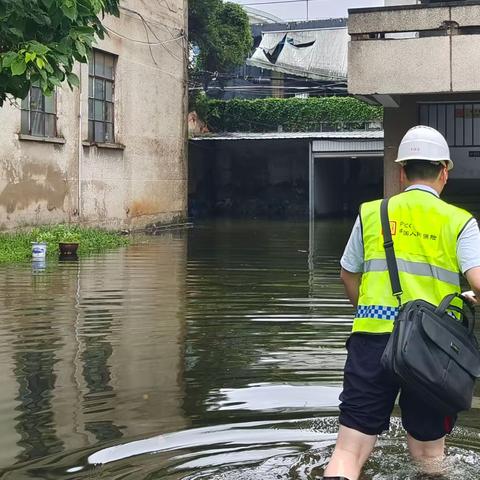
{"x":424,"y":231}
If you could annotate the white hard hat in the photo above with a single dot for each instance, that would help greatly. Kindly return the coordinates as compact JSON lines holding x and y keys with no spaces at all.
{"x":424,"y":143}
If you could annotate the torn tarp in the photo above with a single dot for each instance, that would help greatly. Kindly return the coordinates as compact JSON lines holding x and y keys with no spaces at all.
{"x":317,"y":54}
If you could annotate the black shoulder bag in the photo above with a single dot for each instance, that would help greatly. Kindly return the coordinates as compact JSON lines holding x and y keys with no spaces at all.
{"x":430,"y":350}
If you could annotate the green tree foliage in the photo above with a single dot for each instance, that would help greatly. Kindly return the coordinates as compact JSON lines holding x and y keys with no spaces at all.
{"x":40,"y":40}
{"x":293,"y":114}
{"x":221,"y":33}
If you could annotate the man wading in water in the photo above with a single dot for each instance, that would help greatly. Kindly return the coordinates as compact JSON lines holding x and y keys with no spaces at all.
{"x":436,"y":242}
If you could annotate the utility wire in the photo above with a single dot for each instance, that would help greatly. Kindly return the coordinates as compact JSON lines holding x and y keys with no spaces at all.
{"x":237,"y":76}
{"x":285,"y":93}
{"x":168,"y":5}
{"x":143,"y":42}
{"x":148,"y":40}
{"x":160,"y":25}
{"x":277,"y":87}
{"x":294,"y":88}
{"x":146,"y":25}
{"x":268,"y":92}
{"x":161,"y":43}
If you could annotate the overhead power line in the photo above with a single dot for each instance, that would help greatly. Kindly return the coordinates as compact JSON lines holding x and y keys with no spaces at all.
{"x":253,"y":78}
{"x":162,"y":43}
{"x":143,"y":42}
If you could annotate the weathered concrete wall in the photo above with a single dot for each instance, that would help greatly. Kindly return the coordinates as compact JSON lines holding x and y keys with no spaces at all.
{"x":399,"y":66}
{"x":396,"y":122}
{"x":38,"y":179}
{"x":441,"y":59}
{"x":144,"y":177}
{"x":396,"y":20}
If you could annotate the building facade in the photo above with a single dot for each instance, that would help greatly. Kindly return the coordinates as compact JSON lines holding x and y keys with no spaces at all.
{"x":111,"y":153}
{"x":419,"y":60}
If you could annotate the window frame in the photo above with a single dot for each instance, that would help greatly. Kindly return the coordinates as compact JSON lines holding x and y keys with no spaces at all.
{"x":26,"y":124}
{"x":107,"y":117}
{"x":451,"y":119}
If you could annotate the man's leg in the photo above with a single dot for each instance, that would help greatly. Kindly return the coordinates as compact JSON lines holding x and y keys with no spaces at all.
{"x":427,"y":455}
{"x":426,"y":430}
{"x":367,"y":401}
{"x":351,"y":452}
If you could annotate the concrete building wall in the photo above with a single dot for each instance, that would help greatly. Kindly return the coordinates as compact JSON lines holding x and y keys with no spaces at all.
{"x":442,"y":56}
{"x":375,"y":67}
{"x":396,"y":122}
{"x":139,"y":179}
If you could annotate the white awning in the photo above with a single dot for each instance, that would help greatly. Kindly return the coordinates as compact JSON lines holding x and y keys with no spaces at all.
{"x":373,"y":135}
{"x":317,"y":54}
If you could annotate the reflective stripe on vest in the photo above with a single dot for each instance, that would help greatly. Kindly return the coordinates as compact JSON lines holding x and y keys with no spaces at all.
{"x":416,"y":268}
{"x":424,"y":231}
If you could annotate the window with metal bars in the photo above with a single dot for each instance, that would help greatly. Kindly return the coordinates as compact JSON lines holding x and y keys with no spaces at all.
{"x":458,"y":122}
{"x":39,"y":117}
{"x":101,"y":86}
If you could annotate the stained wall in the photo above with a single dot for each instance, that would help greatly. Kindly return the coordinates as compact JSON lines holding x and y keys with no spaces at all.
{"x":138,"y":179}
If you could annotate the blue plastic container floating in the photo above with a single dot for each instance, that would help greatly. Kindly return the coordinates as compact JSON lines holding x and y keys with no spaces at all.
{"x":39,"y":250}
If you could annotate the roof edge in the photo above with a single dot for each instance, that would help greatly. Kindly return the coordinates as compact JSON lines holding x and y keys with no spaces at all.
{"x":393,"y":8}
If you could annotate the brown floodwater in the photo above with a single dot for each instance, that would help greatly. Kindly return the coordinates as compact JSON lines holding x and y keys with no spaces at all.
{"x":209,"y":353}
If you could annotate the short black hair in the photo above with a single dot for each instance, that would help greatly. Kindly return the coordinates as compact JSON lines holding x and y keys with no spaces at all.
{"x":422,"y":170}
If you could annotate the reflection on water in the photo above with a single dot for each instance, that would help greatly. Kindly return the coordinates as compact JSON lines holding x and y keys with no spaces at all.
{"x":215,"y":352}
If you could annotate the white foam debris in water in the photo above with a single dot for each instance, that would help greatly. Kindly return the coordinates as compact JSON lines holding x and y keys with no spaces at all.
{"x":277,"y":397}
{"x":74,"y":469}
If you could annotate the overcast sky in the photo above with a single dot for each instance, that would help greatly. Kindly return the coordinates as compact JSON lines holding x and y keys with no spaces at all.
{"x":297,"y":10}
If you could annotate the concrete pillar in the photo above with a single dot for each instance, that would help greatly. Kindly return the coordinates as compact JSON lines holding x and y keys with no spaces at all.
{"x":396,"y":122}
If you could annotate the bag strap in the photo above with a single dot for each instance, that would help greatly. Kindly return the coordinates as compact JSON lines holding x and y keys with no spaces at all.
{"x":390,"y":252}
{"x":467,"y":312}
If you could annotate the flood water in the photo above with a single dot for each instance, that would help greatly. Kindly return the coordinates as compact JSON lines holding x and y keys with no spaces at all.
{"x":209,"y":353}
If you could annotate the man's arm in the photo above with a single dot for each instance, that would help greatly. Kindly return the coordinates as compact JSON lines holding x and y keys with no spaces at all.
{"x":351,"y":283}
{"x":473,"y":278}
{"x":468,"y":253}
{"x":352,"y":263}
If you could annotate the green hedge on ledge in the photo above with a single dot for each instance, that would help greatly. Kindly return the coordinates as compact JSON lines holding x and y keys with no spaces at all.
{"x":17,"y":246}
{"x":293,"y":114}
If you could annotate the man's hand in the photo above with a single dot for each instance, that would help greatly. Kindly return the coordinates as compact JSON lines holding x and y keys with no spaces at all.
{"x":470,"y":297}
